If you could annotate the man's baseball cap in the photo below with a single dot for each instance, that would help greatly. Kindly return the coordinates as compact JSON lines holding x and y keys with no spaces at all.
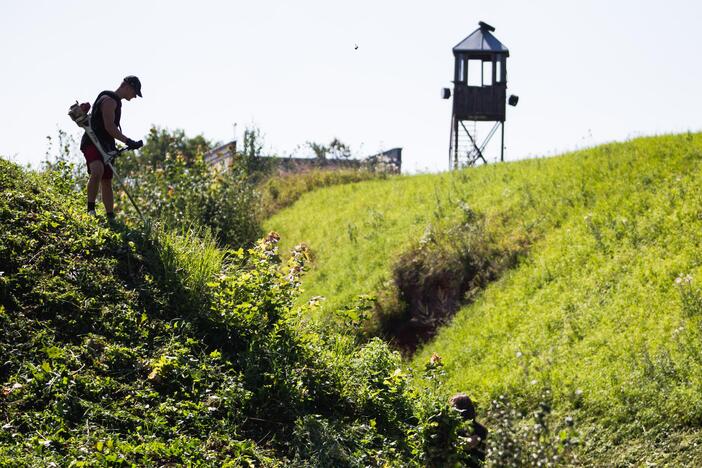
{"x":134,"y":82}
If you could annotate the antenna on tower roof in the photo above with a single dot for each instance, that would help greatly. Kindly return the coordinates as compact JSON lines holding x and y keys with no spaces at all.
{"x":484,"y":25}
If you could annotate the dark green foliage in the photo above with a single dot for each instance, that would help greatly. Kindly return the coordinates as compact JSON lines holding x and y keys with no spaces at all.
{"x":123,"y":347}
{"x":171,"y":183}
{"x":250,"y":159}
{"x":159,"y":145}
{"x":335,"y":149}
{"x":64,"y":159}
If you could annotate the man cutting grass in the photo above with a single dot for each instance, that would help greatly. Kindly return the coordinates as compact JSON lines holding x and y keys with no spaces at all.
{"x":104,"y":121}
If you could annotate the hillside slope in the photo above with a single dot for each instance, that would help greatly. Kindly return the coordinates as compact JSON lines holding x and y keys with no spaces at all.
{"x":124,"y":346}
{"x":600,"y":318}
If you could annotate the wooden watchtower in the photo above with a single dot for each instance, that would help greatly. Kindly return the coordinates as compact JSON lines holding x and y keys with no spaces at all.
{"x":479,"y":95}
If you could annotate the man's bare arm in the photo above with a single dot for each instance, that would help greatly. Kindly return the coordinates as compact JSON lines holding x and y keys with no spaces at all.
{"x":108,"y":107}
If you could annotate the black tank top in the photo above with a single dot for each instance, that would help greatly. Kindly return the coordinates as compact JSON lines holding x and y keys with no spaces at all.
{"x":98,"y":125}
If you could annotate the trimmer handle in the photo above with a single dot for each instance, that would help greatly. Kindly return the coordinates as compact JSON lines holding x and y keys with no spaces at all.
{"x":112,"y":155}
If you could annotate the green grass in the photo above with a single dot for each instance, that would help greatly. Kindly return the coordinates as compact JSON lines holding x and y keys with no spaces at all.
{"x":593,"y":312}
{"x":137,"y":346}
{"x":279,"y":191}
{"x":355,"y":229}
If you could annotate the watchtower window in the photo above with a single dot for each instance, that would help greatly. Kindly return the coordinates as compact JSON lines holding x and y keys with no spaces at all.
{"x":461,"y":77}
{"x":487,"y":78}
{"x":475,"y":69}
{"x":500,"y":70}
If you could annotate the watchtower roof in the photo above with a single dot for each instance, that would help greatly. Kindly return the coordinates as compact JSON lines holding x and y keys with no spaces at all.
{"x":481,"y":41}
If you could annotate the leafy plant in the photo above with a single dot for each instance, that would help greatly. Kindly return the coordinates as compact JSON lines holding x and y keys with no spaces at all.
{"x":171,"y":182}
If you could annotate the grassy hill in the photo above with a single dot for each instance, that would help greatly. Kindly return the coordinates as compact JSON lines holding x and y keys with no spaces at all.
{"x":123,"y":345}
{"x":596,"y":315}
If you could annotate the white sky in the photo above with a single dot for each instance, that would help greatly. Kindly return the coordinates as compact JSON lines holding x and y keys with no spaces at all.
{"x":586,"y":72}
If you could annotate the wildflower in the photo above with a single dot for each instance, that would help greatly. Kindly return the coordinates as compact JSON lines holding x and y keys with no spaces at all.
{"x":7,"y":390}
{"x":272,"y":237}
{"x":428,"y":236}
{"x":314,"y":301}
{"x":683,"y":280}
{"x":300,"y":248}
{"x":294,"y":274}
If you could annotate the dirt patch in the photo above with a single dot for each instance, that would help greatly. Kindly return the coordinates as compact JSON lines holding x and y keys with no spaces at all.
{"x":442,"y":272}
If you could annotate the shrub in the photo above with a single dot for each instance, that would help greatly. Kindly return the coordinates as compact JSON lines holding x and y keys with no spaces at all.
{"x":181,"y":194}
{"x":445,"y":269}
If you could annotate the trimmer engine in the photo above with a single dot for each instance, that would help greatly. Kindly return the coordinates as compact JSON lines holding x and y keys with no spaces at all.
{"x":79,"y":114}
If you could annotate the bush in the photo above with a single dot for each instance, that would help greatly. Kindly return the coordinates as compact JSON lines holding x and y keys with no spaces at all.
{"x":444,"y":270}
{"x":170,"y":182}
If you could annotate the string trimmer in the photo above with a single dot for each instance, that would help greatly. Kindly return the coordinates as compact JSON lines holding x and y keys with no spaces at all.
{"x":79,"y":114}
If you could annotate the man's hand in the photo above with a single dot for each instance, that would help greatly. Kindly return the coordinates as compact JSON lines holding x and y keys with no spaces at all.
{"x":134,"y":145}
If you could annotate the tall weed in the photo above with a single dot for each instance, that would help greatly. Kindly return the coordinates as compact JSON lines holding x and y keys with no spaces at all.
{"x":189,"y":257}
